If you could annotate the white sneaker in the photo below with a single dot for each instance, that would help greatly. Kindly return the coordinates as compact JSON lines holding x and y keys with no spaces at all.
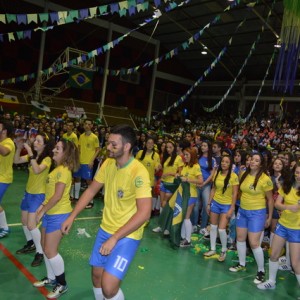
{"x":267,"y":285}
{"x":166,"y":232}
{"x":284,"y":267}
{"x":204,"y":231}
{"x":209,"y":253}
{"x":157,"y":229}
{"x":57,"y":291}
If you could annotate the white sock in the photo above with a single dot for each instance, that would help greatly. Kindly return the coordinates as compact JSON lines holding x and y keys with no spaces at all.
{"x":223,"y":238}
{"x":57,"y":264}
{"x":287,"y":254}
{"x":3,"y":222}
{"x":153,"y":203}
{"x":27,"y":233}
{"x":98,"y":293}
{"x":183,"y":234}
{"x":36,"y":236}
{"x":157,"y":203}
{"x":273,"y":268}
{"x":77,"y":187}
{"x":298,"y":278}
{"x":119,"y":296}
{"x":188,"y":229}
{"x":271,"y":238}
{"x":241,"y":248}
{"x":259,"y":257}
{"x":50,"y":273}
{"x":213,"y":236}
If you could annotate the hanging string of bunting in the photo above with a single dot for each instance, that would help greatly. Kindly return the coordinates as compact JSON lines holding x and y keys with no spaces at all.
{"x":83,"y":58}
{"x":253,"y":47}
{"x":211,"y":109}
{"x":184,"y":46}
{"x":190,"y":90}
{"x":66,"y":17}
{"x":287,"y":63}
{"x":260,"y":89}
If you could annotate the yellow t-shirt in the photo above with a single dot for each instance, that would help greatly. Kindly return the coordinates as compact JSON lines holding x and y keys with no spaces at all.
{"x":255,"y":199}
{"x":171,"y":169}
{"x":72,"y":137}
{"x":149,"y":163}
{"x":6,"y":162}
{"x":64,"y":175}
{"x":192,"y":173}
{"x":122,"y":187}
{"x":88,"y":145}
{"x":288,"y":218}
{"x":225,"y":198}
{"x":36,"y":183}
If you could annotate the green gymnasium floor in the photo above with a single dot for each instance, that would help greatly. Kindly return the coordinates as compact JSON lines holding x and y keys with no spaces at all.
{"x":157,"y":273}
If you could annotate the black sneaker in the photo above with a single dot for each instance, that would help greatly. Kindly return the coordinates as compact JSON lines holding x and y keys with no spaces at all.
{"x":260,"y":277}
{"x":28,"y":248}
{"x":38,"y":259}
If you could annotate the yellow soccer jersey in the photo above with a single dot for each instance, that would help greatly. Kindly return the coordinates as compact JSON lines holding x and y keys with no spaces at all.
{"x":255,"y":199}
{"x":64,"y":175}
{"x":171,"y":169}
{"x":150,"y":163}
{"x":36,"y":183}
{"x":192,"y":173}
{"x":88,"y":145}
{"x":225,"y":198}
{"x":72,"y":137}
{"x":288,"y":218}
{"x":122,"y":187}
{"x":6,"y":162}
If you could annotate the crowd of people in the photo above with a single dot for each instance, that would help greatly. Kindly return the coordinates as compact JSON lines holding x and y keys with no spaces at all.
{"x":244,"y":183}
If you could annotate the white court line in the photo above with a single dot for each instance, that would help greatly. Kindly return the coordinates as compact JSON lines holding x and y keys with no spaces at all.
{"x":227,"y":282}
{"x":77,"y":219}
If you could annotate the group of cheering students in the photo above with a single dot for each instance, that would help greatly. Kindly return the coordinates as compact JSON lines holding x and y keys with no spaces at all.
{"x":259,"y":194}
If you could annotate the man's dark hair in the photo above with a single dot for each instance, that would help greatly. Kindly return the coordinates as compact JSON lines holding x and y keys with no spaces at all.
{"x":127,"y":133}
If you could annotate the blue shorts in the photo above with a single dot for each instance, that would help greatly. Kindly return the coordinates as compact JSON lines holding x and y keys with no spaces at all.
{"x":192,"y":200}
{"x":31,"y":202}
{"x":253,"y":220}
{"x":84,"y":172}
{"x":163,"y":189}
{"x":53,"y":222}
{"x":290,"y":235}
{"x":218,"y":208}
{"x":3,"y":188}
{"x":118,"y":261}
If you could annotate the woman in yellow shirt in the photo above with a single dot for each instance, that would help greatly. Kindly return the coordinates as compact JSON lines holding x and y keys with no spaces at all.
{"x":54,"y":211}
{"x":221,"y":205}
{"x":287,"y":229}
{"x":39,"y":156}
{"x":172,"y":167}
{"x":190,"y":173}
{"x":255,"y":187}
{"x":151,"y":160}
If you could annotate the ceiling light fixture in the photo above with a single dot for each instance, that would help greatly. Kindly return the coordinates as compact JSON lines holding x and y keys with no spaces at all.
{"x":204,"y":52}
{"x":278,"y":44}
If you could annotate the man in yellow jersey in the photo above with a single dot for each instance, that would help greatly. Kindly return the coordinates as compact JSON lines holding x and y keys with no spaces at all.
{"x":70,"y":135}
{"x":88,"y":146}
{"x":127,"y":207}
{"x":7,"y":152}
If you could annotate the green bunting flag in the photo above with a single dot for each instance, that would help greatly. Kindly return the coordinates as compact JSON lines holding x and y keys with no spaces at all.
{"x":80,"y":78}
{"x":173,"y":214}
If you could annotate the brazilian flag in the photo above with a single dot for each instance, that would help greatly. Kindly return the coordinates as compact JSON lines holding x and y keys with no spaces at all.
{"x":173,"y":213}
{"x":81,"y":78}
